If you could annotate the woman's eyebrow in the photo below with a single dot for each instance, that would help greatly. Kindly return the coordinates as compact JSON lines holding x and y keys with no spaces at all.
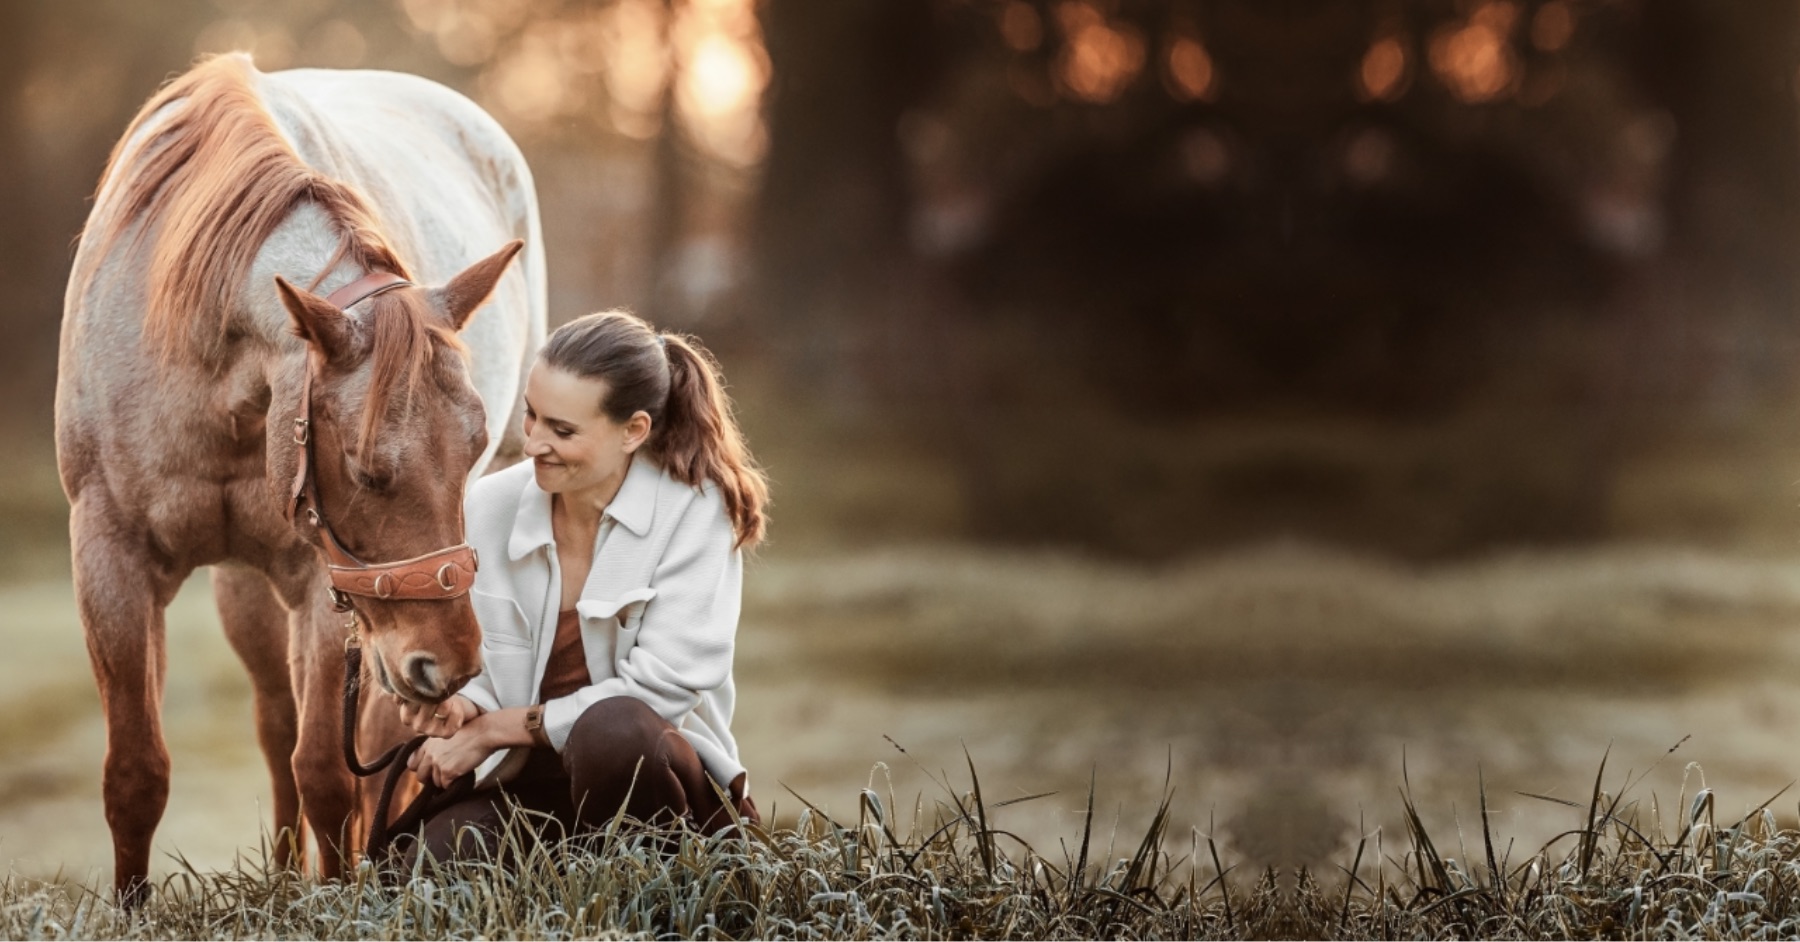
{"x":548,"y":418}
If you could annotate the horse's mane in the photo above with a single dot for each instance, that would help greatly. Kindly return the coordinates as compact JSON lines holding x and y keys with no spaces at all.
{"x":212,"y":182}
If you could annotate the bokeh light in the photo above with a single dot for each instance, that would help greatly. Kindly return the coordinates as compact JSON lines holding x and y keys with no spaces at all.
{"x":1190,"y":69}
{"x":1553,"y":26}
{"x":1382,"y":76}
{"x":632,"y":52}
{"x":466,"y":37}
{"x":539,"y":65}
{"x":531,"y":80}
{"x":1474,"y":59}
{"x":1020,"y":26}
{"x":1102,"y":58}
{"x":723,"y":71}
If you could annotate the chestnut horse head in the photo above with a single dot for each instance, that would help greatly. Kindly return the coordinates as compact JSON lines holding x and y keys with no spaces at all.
{"x":388,"y":427}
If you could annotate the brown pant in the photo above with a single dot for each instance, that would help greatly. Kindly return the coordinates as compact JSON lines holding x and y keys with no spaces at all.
{"x":619,"y":754}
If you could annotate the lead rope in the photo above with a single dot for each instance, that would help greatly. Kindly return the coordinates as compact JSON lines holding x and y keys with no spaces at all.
{"x":431,"y":798}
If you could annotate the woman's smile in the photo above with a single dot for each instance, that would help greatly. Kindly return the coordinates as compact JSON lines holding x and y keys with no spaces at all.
{"x":576,"y":450}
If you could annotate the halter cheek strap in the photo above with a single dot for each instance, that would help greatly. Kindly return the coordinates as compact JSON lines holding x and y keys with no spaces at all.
{"x":443,"y":574}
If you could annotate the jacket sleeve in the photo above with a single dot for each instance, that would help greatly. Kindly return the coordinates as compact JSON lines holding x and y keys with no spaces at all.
{"x":687,"y":632}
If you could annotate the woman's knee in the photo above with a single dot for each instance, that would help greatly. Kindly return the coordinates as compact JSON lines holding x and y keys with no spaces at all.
{"x":614,"y":734}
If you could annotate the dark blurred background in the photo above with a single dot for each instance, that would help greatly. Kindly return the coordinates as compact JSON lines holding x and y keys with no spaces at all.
{"x":1148,"y":278}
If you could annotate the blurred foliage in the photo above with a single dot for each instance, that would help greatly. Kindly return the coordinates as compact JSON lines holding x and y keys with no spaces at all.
{"x":1423,"y":274}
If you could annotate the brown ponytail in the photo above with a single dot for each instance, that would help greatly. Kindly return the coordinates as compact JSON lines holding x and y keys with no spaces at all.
{"x":670,"y":378}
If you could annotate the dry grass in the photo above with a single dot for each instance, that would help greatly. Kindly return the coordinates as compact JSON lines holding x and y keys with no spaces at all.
{"x":948,"y":874}
{"x":1625,"y":870}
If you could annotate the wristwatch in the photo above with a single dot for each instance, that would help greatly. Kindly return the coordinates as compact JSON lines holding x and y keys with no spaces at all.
{"x":534,"y":724}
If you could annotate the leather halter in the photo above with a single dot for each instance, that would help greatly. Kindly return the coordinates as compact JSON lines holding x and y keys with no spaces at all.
{"x":442,"y":574}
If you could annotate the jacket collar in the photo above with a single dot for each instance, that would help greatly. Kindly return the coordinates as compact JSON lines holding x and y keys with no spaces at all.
{"x":632,"y":508}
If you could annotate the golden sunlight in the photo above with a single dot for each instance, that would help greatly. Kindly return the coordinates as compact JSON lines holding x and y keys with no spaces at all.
{"x":721,"y":77}
{"x":1190,"y":69}
{"x":1383,"y":73}
{"x":543,"y":67}
{"x":723,"y":71}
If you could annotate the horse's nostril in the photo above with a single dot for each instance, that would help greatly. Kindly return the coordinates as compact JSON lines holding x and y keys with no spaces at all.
{"x":422,"y":675}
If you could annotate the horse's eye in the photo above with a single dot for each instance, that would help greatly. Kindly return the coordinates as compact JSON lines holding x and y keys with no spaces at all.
{"x":370,"y":481}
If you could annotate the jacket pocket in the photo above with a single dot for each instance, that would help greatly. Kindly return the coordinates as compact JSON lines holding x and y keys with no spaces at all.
{"x":625,"y":614}
{"x":628,"y":608}
{"x":507,"y":653}
{"x":503,"y":624}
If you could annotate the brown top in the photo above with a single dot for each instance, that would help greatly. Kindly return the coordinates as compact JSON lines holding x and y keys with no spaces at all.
{"x":567,"y":669}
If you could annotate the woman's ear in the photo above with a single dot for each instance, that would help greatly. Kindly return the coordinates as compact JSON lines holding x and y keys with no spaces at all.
{"x":637,"y":430}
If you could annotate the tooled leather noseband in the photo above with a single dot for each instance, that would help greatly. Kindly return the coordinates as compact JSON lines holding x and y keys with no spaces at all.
{"x":443,"y":574}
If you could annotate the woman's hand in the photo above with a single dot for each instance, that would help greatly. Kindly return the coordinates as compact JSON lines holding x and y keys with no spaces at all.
{"x":442,"y":761}
{"x":440,"y":721}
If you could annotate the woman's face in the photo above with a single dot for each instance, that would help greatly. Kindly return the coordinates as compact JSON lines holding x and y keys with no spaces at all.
{"x":572,"y":444}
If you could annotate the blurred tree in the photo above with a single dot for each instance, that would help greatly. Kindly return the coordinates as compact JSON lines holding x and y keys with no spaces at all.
{"x":20,"y":237}
{"x":832,"y":212}
{"x":1404,"y":212}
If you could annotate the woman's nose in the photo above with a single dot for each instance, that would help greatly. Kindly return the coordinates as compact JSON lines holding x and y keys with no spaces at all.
{"x":534,"y":445}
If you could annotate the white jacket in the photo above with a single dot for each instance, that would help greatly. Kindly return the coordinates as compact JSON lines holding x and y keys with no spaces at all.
{"x":659,"y":610}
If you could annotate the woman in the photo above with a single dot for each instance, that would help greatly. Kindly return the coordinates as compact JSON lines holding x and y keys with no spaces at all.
{"x":608,"y":591}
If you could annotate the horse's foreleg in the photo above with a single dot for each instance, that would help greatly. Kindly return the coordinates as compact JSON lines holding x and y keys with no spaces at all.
{"x":327,"y":791}
{"x":256,"y":624}
{"x":120,"y":590}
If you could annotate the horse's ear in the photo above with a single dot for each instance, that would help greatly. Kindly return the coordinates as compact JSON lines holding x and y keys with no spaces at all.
{"x":468,"y":290}
{"x":317,"y":320}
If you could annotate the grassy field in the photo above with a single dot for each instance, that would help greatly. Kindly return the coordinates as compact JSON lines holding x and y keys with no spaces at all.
{"x":948,"y":870}
{"x":1283,"y":686}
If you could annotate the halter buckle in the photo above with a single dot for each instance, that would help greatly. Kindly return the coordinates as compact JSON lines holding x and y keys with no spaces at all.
{"x":302,"y":431}
{"x":339,"y":601}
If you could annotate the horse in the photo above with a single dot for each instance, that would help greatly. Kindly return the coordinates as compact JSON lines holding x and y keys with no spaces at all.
{"x":255,"y":377}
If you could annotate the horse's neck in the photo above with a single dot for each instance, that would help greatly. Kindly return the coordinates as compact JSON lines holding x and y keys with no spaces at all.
{"x":299,"y":250}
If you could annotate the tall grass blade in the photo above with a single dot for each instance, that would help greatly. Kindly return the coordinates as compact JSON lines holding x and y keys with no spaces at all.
{"x":984,"y":841}
{"x":1590,"y":835}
